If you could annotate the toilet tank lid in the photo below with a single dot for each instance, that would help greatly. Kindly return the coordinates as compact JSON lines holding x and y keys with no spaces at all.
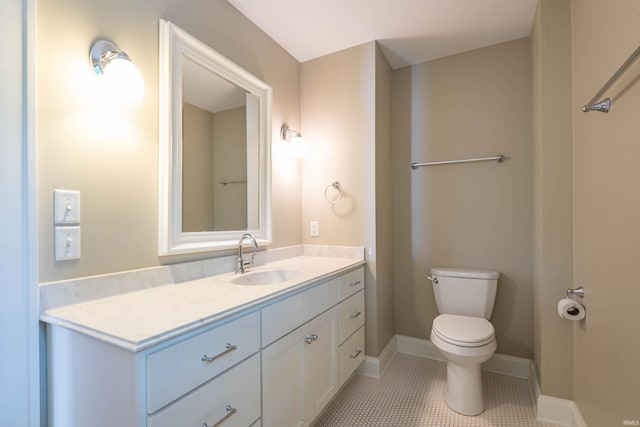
{"x":465,"y":272}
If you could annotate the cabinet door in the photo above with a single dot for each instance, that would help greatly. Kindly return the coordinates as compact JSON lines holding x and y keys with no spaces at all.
{"x":299,"y":373}
{"x":282,"y":382}
{"x":320,"y":363}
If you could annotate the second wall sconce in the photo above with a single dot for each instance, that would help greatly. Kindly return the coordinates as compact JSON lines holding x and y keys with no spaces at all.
{"x":116,"y":70}
{"x":296,"y":144}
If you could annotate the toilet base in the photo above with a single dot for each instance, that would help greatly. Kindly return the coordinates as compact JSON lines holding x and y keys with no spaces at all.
{"x":464,"y":388}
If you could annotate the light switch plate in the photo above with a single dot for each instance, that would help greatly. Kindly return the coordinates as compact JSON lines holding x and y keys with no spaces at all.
{"x":67,"y":243}
{"x":66,"y":207}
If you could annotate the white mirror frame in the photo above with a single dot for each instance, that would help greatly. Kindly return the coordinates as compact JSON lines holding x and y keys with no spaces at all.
{"x":175,"y":44}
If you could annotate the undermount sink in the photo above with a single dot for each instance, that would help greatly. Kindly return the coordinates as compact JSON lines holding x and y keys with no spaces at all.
{"x":266,"y":277}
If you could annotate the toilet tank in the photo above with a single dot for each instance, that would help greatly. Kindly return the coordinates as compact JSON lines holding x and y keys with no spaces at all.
{"x":464,"y":291}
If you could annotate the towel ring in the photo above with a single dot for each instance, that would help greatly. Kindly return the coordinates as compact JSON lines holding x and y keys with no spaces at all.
{"x":336,"y":186}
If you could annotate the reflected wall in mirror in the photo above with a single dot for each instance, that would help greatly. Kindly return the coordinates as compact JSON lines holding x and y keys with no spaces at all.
{"x":214,"y":148}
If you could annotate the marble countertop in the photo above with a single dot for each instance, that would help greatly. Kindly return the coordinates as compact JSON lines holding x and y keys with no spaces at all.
{"x":137,"y":320}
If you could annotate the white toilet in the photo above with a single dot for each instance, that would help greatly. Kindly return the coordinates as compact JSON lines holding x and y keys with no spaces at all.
{"x":463,"y":333}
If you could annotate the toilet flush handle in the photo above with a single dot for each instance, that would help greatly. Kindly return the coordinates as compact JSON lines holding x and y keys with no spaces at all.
{"x":433,"y":279}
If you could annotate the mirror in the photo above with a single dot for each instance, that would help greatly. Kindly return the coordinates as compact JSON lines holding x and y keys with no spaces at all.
{"x":214,"y":148}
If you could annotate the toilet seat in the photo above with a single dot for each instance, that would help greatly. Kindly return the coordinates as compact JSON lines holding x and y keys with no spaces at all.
{"x":463,"y":331}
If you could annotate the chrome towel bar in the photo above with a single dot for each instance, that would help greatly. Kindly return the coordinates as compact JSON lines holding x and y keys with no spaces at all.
{"x":499,"y":158}
{"x":604,"y":105}
{"x":232,"y":181}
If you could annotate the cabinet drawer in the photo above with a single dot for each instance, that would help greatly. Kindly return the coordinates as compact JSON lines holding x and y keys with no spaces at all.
{"x":178,"y":369}
{"x":284,"y":316}
{"x":350,"y":283}
{"x":351,"y":315}
{"x":351,"y":355}
{"x":233,"y":397}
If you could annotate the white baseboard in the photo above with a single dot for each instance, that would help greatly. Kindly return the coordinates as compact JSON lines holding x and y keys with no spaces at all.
{"x":375,"y":367}
{"x":419,"y":348}
{"x":550,"y":409}
{"x":499,"y":363}
{"x":512,"y":366}
{"x":534,"y":387}
{"x":559,"y":411}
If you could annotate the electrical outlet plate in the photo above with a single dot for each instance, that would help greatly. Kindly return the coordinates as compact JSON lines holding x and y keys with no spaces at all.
{"x":67,"y":243}
{"x":66,"y":207}
{"x":314,"y":228}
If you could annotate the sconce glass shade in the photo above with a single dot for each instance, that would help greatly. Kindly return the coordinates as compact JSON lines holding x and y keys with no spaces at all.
{"x":296,"y":144}
{"x":121,"y":78}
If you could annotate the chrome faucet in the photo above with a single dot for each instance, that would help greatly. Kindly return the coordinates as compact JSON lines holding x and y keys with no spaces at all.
{"x":242,"y":264}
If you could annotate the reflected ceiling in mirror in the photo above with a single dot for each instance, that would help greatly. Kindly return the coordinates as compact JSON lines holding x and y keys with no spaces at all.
{"x":214,"y":148}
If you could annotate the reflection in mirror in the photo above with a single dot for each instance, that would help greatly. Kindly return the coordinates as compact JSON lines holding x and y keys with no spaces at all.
{"x":214,"y":148}
{"x":216,"y":127}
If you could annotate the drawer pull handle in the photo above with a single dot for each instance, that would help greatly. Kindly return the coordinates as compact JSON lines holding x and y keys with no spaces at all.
{"x":355,"y":355}
{"x":356,"y":283}
{"x":230,"y":348}
{"x":311,"y":339}
{"x":354,"y":315}
{"x":230,"y":412}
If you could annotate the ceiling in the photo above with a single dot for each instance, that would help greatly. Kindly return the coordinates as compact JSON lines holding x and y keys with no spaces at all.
{"x":408,"y":31}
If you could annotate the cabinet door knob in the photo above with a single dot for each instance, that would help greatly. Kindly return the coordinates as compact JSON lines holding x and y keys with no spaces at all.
{"x":356,"y":283}
{"x":355,"y":355}
{"x":310,"y":339}
{"x":229,"y":348}
{"x":354,"y":315}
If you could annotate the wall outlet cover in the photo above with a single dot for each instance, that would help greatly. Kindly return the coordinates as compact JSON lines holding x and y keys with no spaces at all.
{"x":314,"y":228}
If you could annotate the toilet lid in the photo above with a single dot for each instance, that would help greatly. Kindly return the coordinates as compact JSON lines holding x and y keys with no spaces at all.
{"x":464,"y":331}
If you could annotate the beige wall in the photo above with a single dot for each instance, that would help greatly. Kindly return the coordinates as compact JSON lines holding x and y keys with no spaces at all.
{"x":197,"y":176}
{"x":476,"y":215}
{"x":214,"y":149}
{"x":340,"y":108}
{"x":606,"y":180}
{"x":553,"y":208}
{"x":230,"y":164}
{"x":110,"y":154}
{"x":384,"y":203}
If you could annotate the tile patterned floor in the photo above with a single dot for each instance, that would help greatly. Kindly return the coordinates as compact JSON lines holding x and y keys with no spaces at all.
{"x":411,"y":393}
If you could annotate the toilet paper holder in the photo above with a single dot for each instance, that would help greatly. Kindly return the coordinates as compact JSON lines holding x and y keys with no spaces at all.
{"x":577,"y":291}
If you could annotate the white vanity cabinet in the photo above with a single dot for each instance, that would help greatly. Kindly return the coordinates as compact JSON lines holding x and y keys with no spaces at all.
{"x":303,"y":370}
{"x":275,"y":363}
{"x":193,"y":378}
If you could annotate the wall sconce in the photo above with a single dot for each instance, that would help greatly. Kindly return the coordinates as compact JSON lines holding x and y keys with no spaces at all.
{"x":296,"y":144}
{"x":121,"y":78}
